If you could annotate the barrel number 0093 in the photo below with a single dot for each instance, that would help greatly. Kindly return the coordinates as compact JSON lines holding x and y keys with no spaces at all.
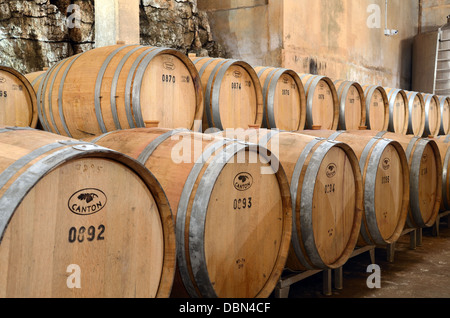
{"x":242,"y":204}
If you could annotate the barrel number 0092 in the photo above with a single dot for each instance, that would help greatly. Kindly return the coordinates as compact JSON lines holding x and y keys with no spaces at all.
{"x":89,"y":234}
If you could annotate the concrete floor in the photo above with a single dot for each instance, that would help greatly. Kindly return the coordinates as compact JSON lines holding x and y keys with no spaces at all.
{"x":420,"y":273}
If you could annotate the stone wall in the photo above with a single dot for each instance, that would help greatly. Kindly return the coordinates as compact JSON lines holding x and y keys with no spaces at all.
{"x":35,"y":34}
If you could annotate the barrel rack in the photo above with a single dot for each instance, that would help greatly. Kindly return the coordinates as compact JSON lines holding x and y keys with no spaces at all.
{"x":290,"y":278}
{"x":441,"y":215}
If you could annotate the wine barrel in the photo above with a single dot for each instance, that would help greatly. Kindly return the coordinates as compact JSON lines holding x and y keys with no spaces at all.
{"x":425,"y":168}
{"x":326,"y":192}
{"x":444,"y":105}
{"x":17,"y":99}
{"x":80,"y":221}
{"x":233,"y":93}
{"x":443,"y":143}
{"x":231,"y":204}
{"x":351,"y":104}
{"x":35,"y":78}
{"x":322,"y":105}
{"x":377,"y":108}
{"x":385,"y":172}
{"x":119,"y":87}
{"x":398,"y":111}
{"x":416,"y":111}
{"x":284,"y":99}
{"x":432,"y":115}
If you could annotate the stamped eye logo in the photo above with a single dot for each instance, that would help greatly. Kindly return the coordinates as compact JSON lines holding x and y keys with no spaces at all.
{"x":87,"y":201}
{"x":2,"y":80}
{"x":243,"y":181}
{"x":331,"y":170}
{"x":386,"y":163}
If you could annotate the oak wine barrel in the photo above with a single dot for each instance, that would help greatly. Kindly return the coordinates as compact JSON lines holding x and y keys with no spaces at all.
{"x":377,"y":108}
{"x":80,"y":221}
{"x":352,"y":105}
{"x":322,"y":105}
{"x":18,"y":106}
{"x":416,"y":111}
{"x":398,"y":111}
{"x":443,"y":143}
{"x":231,"y":205}
{"x":119,"y":87}
{"x":432,"y":115}
{"x":233,"y":93}
{"x":284,"y":99}
{"x":385,"y":172}
{"x":425,"y":168}
{"x":327,"y":196}
{"x":444,"y":105}
{"x":35,"y":78}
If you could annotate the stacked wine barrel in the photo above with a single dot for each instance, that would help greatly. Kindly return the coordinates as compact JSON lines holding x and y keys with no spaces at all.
{"x":158,"y":174}
{"x":79,"y":220}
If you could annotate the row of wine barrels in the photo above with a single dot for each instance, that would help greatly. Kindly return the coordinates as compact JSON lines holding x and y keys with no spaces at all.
{"x":425,"y":168}
{"x":386,"y":185}
{"x":326,"y":193}
{"x":69,"y":226}
{"x":231,"y":204}
{"x":17,"y":99}
{"x":119,"y":87}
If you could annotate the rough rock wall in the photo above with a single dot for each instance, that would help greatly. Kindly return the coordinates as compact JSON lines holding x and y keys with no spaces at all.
{"x":177,"y":24}
{"x":35,"y":34}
